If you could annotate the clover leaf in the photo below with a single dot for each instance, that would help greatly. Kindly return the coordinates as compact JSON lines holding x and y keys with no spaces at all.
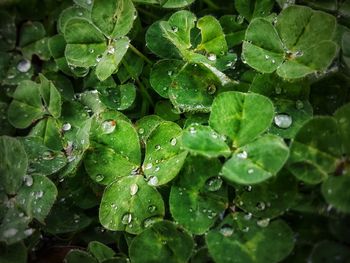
{"x":290,"y":46}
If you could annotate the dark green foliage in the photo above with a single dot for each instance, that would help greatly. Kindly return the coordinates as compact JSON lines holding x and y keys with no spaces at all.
{"x":150,"y":131}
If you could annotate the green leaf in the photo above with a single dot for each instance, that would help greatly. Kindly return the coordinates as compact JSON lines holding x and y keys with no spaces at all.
{"x":31,"y":32}
{"x":254,"y":8}
{"x":249,"y":240}
{"x":111,"y":58}
{"x":329,"y":251}
{"x":198,"y":197}
{"x":146,"y":125}
{"x":342,"y":116}
{"x":100,"y":251}
{"x":162,"y":75}
{"x":128,"y":203}
{"x":26,"y":106}
{"x":85,"y":43}
{"x":113,"y":18}
{"x":234,"y":29}
{"x":7,"y":31}
{"x":50,"y":96}
{"x":203,"y":140}
{"x":163,"y":241}
{"x":241,"y":117}
{"x":37,"y":199}
{"x":76,"y":256}
{"x":334,"y":190}
{"x":64,"y":219}
{"x":319,"y":153}
{"x":296,"y":47}
{"x":13,"y":164}
{"x":49,"y":131}
{"x":71,"y":12}
{"x":166,"y":111}
{"x":42,"y":160}
{"x":120,"y":97}
{"x":14,"y":226}
{"x":164,"y":157}
{"x":193,"y":89}
{"x":115,"y":143}
{"x":257,"y":161}
{"x":213,"y":38}
{"x":14,"y":253}
{"x":268,"y":199}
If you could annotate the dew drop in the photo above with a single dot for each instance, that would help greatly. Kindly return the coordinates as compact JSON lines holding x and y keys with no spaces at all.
{"x":109,"y":126}
{"x":245,"y":229}
{"x":48,"y":155}
{"x":133,"y":189}
{"x":263,"y":222}
{"x":11,"y":232}
{"x":99,"y":178}
{"x":226,"y":230}
{"x":152,"y":208}
{"x":148,"y":166}
{"x":66,"y":127}
{"x":157,"y":147}
{"x":28,"y":232}
{"x":212,"y":57}
{"x":248,"y":216}
{"x":211,"y":89}
{"x":193,"y":130}
{"x":148,"y":222}
{"x":299,"y":104}
{"x":248,"y":188}
{"x":214,"y":184}
{"x":278,"y":90}
{"x":174,"y":29}
{"x":98,"y":58}
{"x":89,"y":2}
{"x":141,"y":131}
{"x":283,"y":121}
{"x":153,"y":180}
{"x":24,"y":65}
{"x":250,"y":171}
{"x":260,"y":206}
{"x":110,"y":50}
{"x":157,"y":169}
{"x":173,"y":141}
{"x":28,"y":180}
{"x":126,"y":219}
{"x":242,"y":155}
{"x":91,"y":50}
{"x":267,"y":56}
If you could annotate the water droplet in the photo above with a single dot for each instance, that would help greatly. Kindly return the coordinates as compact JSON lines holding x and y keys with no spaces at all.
{"x":299,"y":104}
{"x":80,"y":13}
{"x":242,"y":155}
{"x":211,"y":89}
{"x":157,"y":169}
{"x":267,"y":56}
{"x":263,"y":222}
{"x":141,"y":131}
{"x":148,"y":166}
{"x":48,"y":155}
{"x":283,"y":121}
{"x":126,"y":219}
{"x":28,"y":180}
{"x":250,"y":171}
{"x":24,"y":65}
{"x":273,"y":61}
{"x":99,"y":178}
{"x":173,"y":141}
{"x":278,"y":90}
{"x":109,"y":126}
{"x":39,"y":194}
{"x":110,"y":50}
{"x":153,"y":180}
{"x":212,"y":57}
{"x":148,"y":222}
{"x":226,"y":230}
{"x":299,"y":53}
{"x":240,"y":19}
{"x":170,"y":73}
{"x":133,"y":189}
{"x":193,"y":130}
{"x":174,"y":29}
{"x":28,"y":232}
{"x":260,"y":206}
{"x":152,"y":208}
{"x":214,"y":184}
{"x":38,"y":210}
{"x":89,"y":2}
{"x":66,"y":127}
{"x":91,"y":50}
{"x":157,"y":147}
{"x":248,"y":216}
{"x":248,"y":188}
{"x":245,"y":229}
{"x":11,"y":232}
{"x":98,"y":58}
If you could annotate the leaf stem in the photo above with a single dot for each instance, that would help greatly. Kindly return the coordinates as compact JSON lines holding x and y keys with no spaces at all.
{"x":137,"y":52}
